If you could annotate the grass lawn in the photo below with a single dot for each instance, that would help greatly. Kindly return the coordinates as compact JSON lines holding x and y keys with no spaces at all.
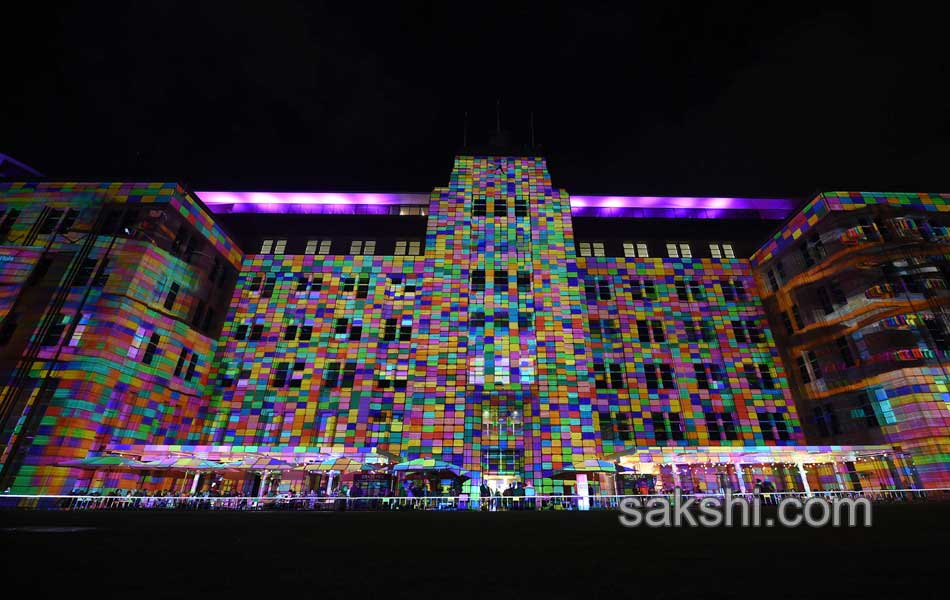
{"x":450,"y":555}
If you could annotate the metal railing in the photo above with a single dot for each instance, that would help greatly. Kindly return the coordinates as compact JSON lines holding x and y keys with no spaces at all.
{"x":541,"y":502}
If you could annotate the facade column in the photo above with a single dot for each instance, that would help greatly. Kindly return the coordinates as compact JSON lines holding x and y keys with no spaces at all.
{"x":329,"y":482}
{"x":804,"y":475}
{"x":740,"y":476}
{"x":583,"y":502}
{"x":260,"y":491}
{"x":194,"y":484}
{"x":676,"y":476}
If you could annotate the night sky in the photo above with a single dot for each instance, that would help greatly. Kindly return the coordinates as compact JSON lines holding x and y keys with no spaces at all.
{"x":668,"y":98}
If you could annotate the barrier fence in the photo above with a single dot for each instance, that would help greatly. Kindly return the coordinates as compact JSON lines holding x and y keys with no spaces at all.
{"x":431,"y":503}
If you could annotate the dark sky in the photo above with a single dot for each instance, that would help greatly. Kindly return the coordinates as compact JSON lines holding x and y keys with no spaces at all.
{"x":667,"y":98}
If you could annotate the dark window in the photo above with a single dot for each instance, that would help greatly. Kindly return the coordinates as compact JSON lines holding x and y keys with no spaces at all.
{"x":521,"y":206}
{"x":478,"y":280}
{"x":501,"y":207}
{"x":341,"y":327}
{"x":803,"y":369}
{"x":787,"y":322}
{"x":181,"y":361}
{"x":151,"y":349}
{"x":269,"y":284}
{"x":280,"y":375}
{"x":389,"y":329}
{"x":815,"y":366}
{"x":49,"y":222}
{"x":837,"y":294}
{"x":702,"y":379}
{"x":349,"y":375}
{"x":500,"y":280}
{"x":798,"y":317}
{"x":55,"y":331}
{"x":192,"y":367}
{"x":291,"y":332}
{"x":524,"y":281}
{"x":845,"y":350}
{"x":84,"y":273}
{"x":479,"y":206}
{"x":356,"y":332}
{"x":172,"y":295}
{"x":766,"y":377}
{"x":306,"y":332}
{"x":102,"y":276}
{"x":331,"y":374}
{"x":8,"y":220}
{"x":256,"y":331}
{"x":825,"y":300}
{"x":241,"y":332}
{"x":362,"y":289}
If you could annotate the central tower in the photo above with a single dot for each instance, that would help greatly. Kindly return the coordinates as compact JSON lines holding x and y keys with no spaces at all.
{"x":505,"y":318}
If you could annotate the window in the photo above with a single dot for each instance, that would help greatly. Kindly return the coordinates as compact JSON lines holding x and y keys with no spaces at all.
{"x":521,"y":206}
{"x":650,"y":331}
{"x":667,"y":426}
{"x":309,"y":284}
{"x":813,"y":363}
{"x":658,"y":376}
{"x":48,"y":224}
{"x":608,"y":375}
{"x":798,"y":317}
{"x":606,"y":328}
{"x":280,"y":375}
{"x":773,"y":284}
{"x":267,"y":246}
{"x":182,"y":357}
{"x":733,"y":289}
{"x":151,"y":348}
{"x":6,"y":223}
{"x":597,"y":289}
{"x":359,"y":285}
{"x":256,"y":331}
{"x":408,"y":248}
{"x":773,"y":426}
{"x":720,"y":425}
{"x":240,"y":333}
{"x":478,"y":280}
{"x":172,"y":295}
{"x":524,"y":281}
{"x":501,"y":207}
{"x":699,"y":331}
{"x":747,"y":331}
{"x":360,"y":247}
{"x":479,"y":206}
{"x":269,"y":283}
{"x":500,"y":280}
{"x":321,"y":247}
{"x":616,"y":426}
{"x":689,"y":289}
{"x":825,"y":301}
{"x":803,"y":369}
{"x":192,"y":367}
{"x":635,"y":250}
{"x":721,"y":251}
{"x":55,"y":331}
{"x":341,"y":328}
{"x":642,"y":289}
{"x":678,"y":250}
{"x":845,"y":350}
{"x":837,"y":294}
{"x":331,"y":375}
{"x":102,"y":275}
{"x":758,"y":376}
{"x":709,"y":376}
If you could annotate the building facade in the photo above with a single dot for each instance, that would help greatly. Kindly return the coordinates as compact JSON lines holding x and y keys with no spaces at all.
{"x":497,"y":325}
{"x":856,"y":288}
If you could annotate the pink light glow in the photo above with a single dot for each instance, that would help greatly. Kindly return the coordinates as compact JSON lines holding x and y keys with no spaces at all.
{"x":297,"y":201}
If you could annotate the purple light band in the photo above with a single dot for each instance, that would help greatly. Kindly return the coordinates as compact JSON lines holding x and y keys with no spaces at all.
{"x":600,"y":206}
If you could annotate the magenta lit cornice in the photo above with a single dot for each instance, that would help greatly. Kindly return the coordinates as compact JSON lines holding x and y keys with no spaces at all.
{"x":604,"y":206}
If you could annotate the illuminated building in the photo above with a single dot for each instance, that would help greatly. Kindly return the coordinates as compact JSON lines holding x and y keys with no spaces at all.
{"x":497,"y":324}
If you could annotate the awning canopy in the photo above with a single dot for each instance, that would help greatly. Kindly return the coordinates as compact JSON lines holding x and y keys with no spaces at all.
{"x":685,"y":455}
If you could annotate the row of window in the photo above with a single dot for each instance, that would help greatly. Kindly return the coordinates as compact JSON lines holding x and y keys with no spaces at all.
{"x":323,"y":247}
{"x":343,"y":329}
{"x":501,"y":279}
{"x":187,"y":365}
{"x":641,"y":250}
{"x":870,"y":409}
{"x":669,"y":425}
{"x":483,"y":206}
{"x":397,"y":286}
{"x":687,"y":290}
{"x":609,"y":375}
